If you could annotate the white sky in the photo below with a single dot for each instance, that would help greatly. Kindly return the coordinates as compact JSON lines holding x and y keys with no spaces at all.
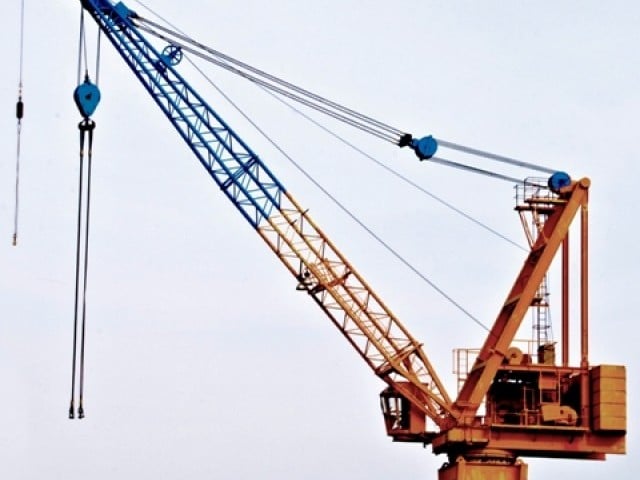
{"x":202,"y":359}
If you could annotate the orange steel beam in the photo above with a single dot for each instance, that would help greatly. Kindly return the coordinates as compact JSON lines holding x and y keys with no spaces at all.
{"x":360,"y":315}
{"x":555,"y":229}
{"x":584,"y":289}
{"x":584,"y":313}
{"x":541,"y":442}
{"x":565,"y":301}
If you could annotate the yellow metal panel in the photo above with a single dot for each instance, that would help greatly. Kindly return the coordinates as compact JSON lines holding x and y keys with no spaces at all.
{"x":609,"y":371}
{"x":608,"y":384}
{"x":610,"y":423}
{"x":610,"y":396}
{"x":610,"y":410}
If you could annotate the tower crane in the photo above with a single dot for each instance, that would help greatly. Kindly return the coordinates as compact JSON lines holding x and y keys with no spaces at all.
{"x":511,"y":403}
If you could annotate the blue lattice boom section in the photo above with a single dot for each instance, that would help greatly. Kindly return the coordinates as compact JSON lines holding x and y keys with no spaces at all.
{"x":237,"y":170}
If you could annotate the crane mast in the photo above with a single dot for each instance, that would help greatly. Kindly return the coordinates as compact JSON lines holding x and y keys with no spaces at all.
{"x":532,"y":409}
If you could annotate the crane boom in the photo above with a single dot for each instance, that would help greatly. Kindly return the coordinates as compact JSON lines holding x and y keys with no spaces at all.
{"x":317,"y":265}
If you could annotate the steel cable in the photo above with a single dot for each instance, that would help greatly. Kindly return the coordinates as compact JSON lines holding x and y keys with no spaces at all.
{"x":342,"y":207}
{"x":19,"y":116}
{"x":262,"y":73}
{"x":315,"y":101}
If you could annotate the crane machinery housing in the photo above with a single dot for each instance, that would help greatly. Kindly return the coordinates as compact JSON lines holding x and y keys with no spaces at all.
{"x":511,"y":403}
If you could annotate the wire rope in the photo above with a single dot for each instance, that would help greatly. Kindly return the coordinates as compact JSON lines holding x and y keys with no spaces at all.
{"x":77,"y":279}
{"x":271,"y":91}
{"x":479,"y":171}
{"x":235,"y":66}
{"x":355,"y":122}
{"x":87,"y":126}
{"x":262,"y":73}
{"x":98,"y":48}
{"x":342,"y":207}
{"x":19,"y":116}
{"x":327,"y":193}
{"x":308,"y":98}
{"x":493,"y":156}
{"x":81,"y":46}
{"x":400,"y":176}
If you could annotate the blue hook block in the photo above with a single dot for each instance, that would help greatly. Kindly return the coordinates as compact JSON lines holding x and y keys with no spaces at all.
{"x":425,"y":148}
{"x":87,"y":96}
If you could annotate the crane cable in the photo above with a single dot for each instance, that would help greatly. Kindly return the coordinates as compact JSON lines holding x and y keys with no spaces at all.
{"x":342,"y":207}
{"x":19,"y":116}
{"x":179,"y":34}
{"x":399,"y":175}
{"x":322,"y":104}
{"x":299,"y":167}
{"x":85,"y":127}
{"x":271,"y":82}
{"x":86,"y":97}
{"x":394,"y":252}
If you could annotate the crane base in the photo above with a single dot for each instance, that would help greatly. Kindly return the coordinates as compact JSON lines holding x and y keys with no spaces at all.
{"x":483,"y":470}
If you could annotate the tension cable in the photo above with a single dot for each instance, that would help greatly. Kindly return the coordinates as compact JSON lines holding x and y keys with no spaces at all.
{"x":425,"y":147}
{"x":342,"y":207}
{"x":19,"y":115}
{"x":86,"y":97}
{"x":86,"y":127}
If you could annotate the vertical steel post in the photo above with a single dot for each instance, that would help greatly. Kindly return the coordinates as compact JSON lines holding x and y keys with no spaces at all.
{"x":584,"y":314}
{"x":565,"y":301}
{"x":584,"y":286}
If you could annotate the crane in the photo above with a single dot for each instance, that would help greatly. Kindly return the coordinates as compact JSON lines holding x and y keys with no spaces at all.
{"x":511,"y":403}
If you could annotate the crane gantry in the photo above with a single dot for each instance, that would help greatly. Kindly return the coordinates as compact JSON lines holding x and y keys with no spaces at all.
{"x":512,"y":403}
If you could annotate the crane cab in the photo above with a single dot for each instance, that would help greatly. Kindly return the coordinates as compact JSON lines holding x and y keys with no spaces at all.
{"x":403,"y":420}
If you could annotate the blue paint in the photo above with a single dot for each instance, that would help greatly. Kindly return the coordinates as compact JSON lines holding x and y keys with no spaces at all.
{"x":172,"y":55}
{"x":238,"y":171}
{"x":558,"y":181}
{"x":425,"y":148}
{"x":87,"y":96}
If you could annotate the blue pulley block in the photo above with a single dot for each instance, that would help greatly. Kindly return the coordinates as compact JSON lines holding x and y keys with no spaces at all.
{"x":172,"y":55}
{"x":87,"y":96}
{"x":558,"y":181}
{"x":425,"y":148}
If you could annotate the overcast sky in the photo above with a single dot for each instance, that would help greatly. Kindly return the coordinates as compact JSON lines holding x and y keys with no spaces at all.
{"x":202,"y":359}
